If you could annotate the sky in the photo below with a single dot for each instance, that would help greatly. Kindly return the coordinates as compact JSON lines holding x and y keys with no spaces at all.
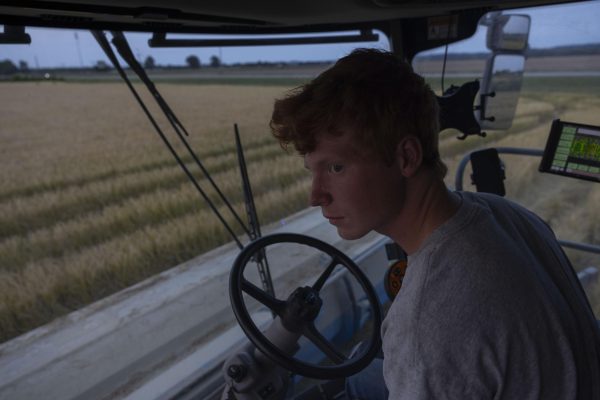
{"x":569,"y":24}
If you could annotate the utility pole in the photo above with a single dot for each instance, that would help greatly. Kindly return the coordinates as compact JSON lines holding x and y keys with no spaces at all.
{"x":78,"y":50}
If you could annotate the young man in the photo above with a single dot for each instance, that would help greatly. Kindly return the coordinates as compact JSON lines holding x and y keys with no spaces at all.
{"x":490,"y":307}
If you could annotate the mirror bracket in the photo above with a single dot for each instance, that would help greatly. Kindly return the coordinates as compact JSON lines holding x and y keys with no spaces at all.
{"x":14,"y":35}
{"x":482,"y":106}
{"x":456,"y":109}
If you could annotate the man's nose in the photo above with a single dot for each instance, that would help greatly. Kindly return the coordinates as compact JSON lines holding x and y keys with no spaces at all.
{"x":318,"y":195}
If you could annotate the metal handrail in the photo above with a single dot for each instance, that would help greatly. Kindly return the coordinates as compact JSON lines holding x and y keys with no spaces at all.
{"x":458,"y":185}
{"x":458,"y":179}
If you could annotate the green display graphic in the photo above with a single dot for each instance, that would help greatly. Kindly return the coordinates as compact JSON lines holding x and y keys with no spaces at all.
{"x":586,"y":147}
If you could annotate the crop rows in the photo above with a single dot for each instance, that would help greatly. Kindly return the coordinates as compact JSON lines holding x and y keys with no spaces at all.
{"x":23,"y":214}
{"x":83,"y":216}
{"x":91,"y":202}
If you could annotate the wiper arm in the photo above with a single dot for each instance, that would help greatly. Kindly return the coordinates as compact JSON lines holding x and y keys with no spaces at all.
{"x":125,"y":52}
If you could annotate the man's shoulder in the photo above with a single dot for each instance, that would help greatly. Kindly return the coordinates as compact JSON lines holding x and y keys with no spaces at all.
{"x":503,"y":216}
{"x":483,"y":225}
{"x":497,"y":205}
{"x":492,"y":250}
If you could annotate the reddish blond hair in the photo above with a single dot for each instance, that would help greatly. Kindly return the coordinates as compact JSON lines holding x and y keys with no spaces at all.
{"x":370,"y":93}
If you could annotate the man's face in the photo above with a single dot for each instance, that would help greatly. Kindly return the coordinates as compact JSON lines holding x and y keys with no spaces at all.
{"x":356,"y":191}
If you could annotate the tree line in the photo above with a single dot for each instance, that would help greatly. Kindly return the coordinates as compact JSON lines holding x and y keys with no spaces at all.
{"x":8,"y":67}
{"x":191,"y":61}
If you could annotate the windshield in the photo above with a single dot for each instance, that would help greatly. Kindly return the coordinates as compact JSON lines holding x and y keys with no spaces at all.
{"x":92,"y":203}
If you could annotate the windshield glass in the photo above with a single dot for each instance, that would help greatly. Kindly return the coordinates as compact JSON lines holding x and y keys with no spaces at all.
{"x":113,"y":267}
{"x":91,"y":202}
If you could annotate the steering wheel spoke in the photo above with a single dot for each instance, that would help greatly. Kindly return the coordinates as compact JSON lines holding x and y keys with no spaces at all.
{"x":262,"y":297}
{"x":324,"y":345}
{"x":325,"y":275}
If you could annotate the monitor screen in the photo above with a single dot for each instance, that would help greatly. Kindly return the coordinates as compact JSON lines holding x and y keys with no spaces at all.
{"x":573,"y":150}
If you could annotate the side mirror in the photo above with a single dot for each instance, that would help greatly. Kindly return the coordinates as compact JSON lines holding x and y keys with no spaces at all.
{"x":500,"y":91}
{"x":508,"y":33}
{"x":507,"y":37}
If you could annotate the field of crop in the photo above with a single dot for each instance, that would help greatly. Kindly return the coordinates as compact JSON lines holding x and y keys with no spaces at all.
{"x":92,"y":202}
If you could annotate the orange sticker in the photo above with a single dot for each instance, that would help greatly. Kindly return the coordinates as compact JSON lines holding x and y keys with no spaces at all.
{"x":394,"y":278}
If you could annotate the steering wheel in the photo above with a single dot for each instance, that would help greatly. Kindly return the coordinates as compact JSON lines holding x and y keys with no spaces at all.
{"x":301,"y":309}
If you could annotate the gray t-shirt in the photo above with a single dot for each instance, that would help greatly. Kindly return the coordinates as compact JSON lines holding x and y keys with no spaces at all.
{"x":490,"y":308}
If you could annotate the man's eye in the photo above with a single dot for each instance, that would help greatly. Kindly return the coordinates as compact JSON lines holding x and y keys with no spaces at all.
{"x":336,"y":168}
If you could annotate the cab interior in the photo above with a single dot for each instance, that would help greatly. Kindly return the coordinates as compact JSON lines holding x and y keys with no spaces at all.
{"x":260,"y":361}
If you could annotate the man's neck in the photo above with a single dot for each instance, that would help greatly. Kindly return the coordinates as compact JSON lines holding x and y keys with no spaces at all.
{"x":428,"y":205}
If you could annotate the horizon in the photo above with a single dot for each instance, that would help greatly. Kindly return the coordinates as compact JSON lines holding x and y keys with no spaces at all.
{"x":436,"y":55}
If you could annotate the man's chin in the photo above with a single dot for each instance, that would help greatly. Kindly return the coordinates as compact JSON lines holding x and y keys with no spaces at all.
{"x":350,"y":235}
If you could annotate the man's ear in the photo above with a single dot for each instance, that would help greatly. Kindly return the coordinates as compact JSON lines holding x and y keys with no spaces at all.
{"x":409,"y":155}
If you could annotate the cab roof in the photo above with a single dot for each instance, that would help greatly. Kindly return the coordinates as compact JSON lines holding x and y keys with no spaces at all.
{"x":237,"y":16}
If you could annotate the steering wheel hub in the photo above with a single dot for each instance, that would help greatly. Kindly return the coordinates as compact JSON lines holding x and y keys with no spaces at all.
{"x":301,"y":307}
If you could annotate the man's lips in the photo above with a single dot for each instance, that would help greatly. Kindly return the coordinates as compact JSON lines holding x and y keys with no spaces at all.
{"x":332,"y":218}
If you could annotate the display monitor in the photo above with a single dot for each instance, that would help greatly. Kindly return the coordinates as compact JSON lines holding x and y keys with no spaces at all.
{"x":573,"y":150}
